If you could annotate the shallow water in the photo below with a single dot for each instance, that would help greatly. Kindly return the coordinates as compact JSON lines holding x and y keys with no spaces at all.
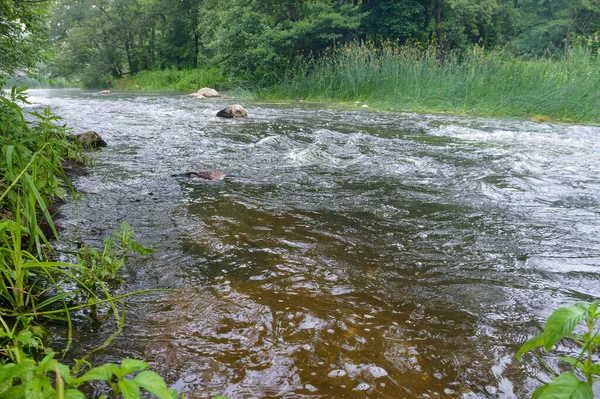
{"x":349,"y":254}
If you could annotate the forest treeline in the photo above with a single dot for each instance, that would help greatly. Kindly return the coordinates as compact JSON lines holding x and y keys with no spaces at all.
{"x":95,"y":41}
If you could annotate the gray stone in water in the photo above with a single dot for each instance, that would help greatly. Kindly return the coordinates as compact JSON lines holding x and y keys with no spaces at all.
{"x":233,"y":111}
{"x":206,"y":174}
{"x":104,"y":92}
{"x":90,"y":139}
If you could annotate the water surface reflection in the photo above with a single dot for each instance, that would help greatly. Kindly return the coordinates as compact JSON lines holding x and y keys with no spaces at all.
{"x":349,"y":253}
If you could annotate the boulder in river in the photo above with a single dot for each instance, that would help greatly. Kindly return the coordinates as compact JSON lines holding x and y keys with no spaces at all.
{"x":104,"y":92}
{"x":90,"y":139}
{"x":206,"y":174}
{"x":208,"y":92}
{"x":233,"y":111}
{"x":196,"y":95}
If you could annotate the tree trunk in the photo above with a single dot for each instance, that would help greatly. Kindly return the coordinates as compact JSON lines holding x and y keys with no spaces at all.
{"x":196,"y":47}
{"x":130,"y":60}
{"x":153,"y":48}
{"x":292,"y":11}
{"x":438,"y":20}
{"x":568,"y":44}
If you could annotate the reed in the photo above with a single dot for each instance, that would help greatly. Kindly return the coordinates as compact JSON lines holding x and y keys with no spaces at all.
{"x":174,"y":80}
{"x":485,"y":82}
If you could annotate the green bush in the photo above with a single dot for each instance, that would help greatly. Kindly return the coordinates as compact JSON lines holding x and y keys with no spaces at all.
{"x":584,"y":366}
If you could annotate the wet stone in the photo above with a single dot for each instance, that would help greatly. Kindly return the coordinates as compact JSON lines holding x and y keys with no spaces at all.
{"x":377,"y":371}
{"x":337,"y":373}
{"x":310,"y":388}
{"x":363,"y":386}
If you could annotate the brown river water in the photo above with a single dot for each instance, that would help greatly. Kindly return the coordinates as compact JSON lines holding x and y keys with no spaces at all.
{"x":349,"y":254}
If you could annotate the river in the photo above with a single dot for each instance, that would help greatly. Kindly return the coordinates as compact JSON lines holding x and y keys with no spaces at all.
{"x":348,"y":254}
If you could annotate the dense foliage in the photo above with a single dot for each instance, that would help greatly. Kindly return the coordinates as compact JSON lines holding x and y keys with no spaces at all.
{"x":22,"y":43}
{"x":99,"y":40}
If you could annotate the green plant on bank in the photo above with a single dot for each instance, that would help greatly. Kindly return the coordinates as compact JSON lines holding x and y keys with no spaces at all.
{"x":35,"y":290}
{"x":104,"y":265}
{"x":172,"y":79}
{"x":585,"y":367}
{"x":31,"y":162}
{"x":52,"y":379}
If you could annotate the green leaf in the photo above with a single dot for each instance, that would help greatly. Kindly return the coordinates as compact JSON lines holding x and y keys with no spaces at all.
{"x":12,"y":370}
{"x":129,"y":389}
{"x":40,"y":202}
{"x":56,"y":298}
{"x":562,"y":322}
{"x":530,"y":344}
{"x":153,"y":383}
{"x":74,"y":394}
{"x":594,"y":306}
{"x":100,"y":373}
{"x":140,"y":249}
{"x":65,"y":373}
{"x":16,"y":392}
{"x":539,"y":392}
{"x":27,"y":339}
{"x":132,"y":365}
{"x":47,"y":364}
{"x":9,"y":162}
{"x":566,"y":386}
{"x":219,"y":397}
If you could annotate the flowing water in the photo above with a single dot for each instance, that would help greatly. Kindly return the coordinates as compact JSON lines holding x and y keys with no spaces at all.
{"x":349,"y":254}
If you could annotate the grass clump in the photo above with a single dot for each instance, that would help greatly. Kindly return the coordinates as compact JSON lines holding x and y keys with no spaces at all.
{"x":486,"y":82}
{"x":175,"y":80}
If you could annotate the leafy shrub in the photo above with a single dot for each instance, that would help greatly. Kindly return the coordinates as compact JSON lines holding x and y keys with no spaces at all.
{"x":585,"y":367}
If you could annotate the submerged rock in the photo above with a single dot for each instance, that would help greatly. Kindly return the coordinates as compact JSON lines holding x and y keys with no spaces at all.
{"x":206,"y":174}
{"x":90,"y":139}
{"x":196,"y":95}
{"x":233,"y":111}
{"x":208,"y":92}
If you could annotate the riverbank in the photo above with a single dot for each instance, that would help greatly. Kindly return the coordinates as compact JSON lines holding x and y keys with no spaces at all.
{"x":401,"y":78}
{"x":41,"y":289}
{"x":487,"y":83}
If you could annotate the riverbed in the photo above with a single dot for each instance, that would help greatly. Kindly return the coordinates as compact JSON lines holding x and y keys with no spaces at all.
{"x":348,"y":253}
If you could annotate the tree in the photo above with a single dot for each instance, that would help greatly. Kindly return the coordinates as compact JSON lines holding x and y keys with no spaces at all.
{"x":551,"y":25}
{"x":22,"y":44}
{"x":486,"y":22}
{"x":396,"y":19}
{"x":179,"y":36}
{"x":95,"y":40}
{"x":261,"y":39}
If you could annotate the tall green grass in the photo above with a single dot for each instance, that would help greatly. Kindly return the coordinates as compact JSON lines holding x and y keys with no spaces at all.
{"x":487,"y":82}
{"x":175,"y":80}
